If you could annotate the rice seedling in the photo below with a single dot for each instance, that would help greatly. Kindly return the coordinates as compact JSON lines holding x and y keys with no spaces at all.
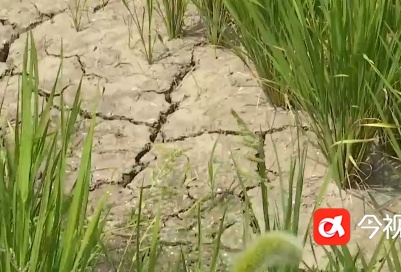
{"x":172,"y":12}
{"x":323,"y":54}
{"x":252,"y":47}
{"x":143,"y":21}
{"x":42,"y":228}
{"x":77,"y":9}
{"x":215,"y":18}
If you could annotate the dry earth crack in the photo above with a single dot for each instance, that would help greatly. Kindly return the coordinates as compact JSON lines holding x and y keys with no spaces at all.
{"x":42,"y":18}
{"x":230,"y":132}
{"x":157,"y":126}
{"x":79,"y":60}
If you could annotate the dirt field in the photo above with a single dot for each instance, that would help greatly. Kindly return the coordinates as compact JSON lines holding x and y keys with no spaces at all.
{"x":157,"y":124}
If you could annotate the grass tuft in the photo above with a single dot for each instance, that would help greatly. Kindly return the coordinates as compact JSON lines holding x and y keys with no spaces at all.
{"x":252,"y":44}
{"x":172,"y":12}
{"x":143,"y":21}
{"x":216,"y":19}
{"x":77,"y":9}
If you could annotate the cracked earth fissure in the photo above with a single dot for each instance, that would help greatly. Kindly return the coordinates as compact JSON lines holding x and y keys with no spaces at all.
{"x":80,"y":62}
{"x":43,"y":17}
{"x":4,"y":52}
{"x":230,"y":132}
{"x":157,"y":126}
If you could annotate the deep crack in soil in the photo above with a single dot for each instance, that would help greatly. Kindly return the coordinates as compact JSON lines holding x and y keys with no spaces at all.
{"x":157,"y":126}
{"x":19,"y":31}
{"x":229,"y":132}
{"x":42,"y":18}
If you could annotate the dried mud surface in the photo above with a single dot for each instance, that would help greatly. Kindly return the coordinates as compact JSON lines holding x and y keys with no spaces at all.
{"x":156,"y":125}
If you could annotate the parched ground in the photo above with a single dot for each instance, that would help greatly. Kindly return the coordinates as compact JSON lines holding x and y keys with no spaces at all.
{"x":157,"y":124}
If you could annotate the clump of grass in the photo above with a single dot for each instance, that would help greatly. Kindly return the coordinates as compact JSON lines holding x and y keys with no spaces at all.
{"x":253,"y":45}
{"x":43,"y":229}
{"x":323,"y":53}
{"x":173,"y":12}
{"x":77,"y":9}
{"x":143,"y":21}
{"x":215,"y":18}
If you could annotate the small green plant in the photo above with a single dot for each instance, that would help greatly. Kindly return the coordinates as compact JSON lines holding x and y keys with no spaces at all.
{"x":216,"y":19}
{"x":43,"y":229}
{"x":173,"y":12}
{"x":77,"y":9}
{"x":143,"y":21}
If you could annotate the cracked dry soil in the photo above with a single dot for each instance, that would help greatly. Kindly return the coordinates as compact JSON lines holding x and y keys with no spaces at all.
{"x":148,"y":115}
